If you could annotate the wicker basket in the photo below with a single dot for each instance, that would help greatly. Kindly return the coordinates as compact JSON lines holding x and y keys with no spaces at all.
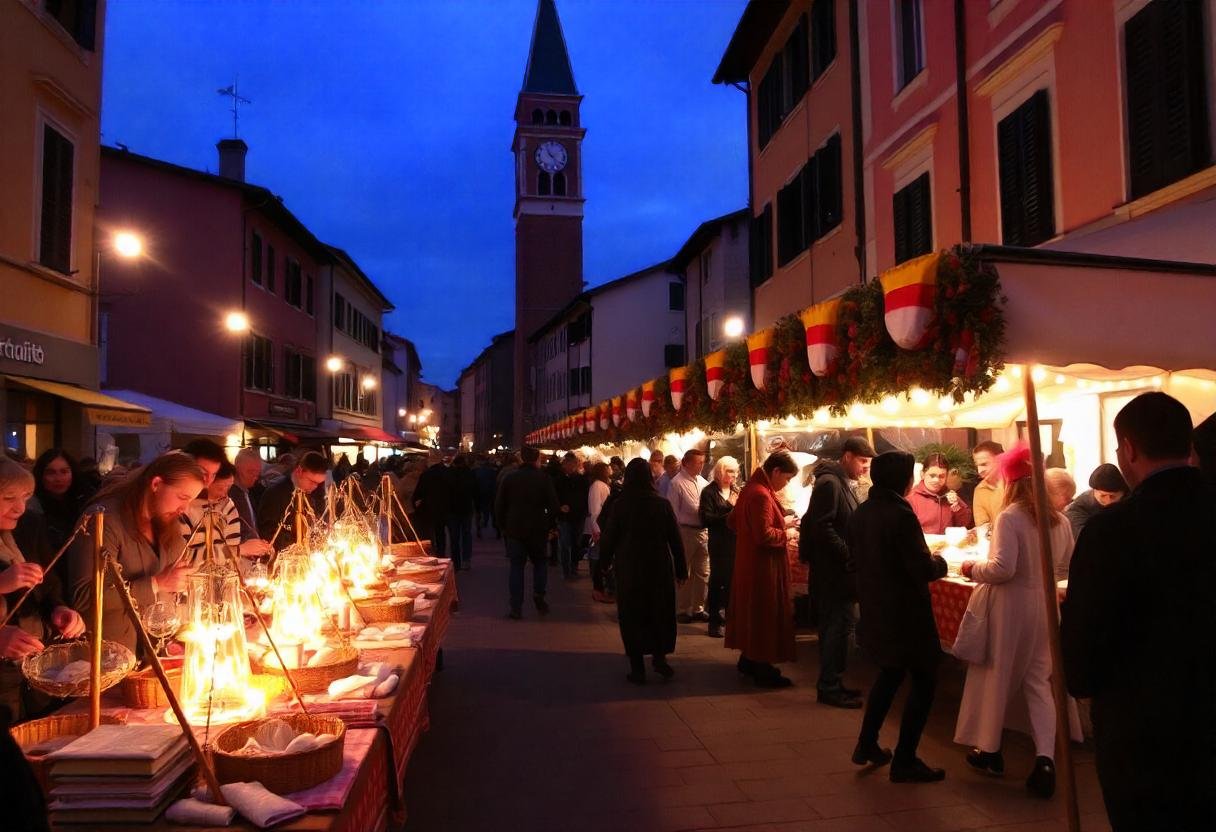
{"x":382,"y":610}
{"x":141,"y":688}
{"x":37,"y":731}
{"x":423,"y":574}
{"x":281,"y":773}
{"x":317,"y":679}
{"x":116,"y":662}
{"x":400,"y":551}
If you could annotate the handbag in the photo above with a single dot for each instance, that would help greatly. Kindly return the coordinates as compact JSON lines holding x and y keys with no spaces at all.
{"x":971,"y":643}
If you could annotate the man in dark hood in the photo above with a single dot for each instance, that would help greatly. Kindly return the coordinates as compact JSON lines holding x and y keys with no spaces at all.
{"x":824,"y":545}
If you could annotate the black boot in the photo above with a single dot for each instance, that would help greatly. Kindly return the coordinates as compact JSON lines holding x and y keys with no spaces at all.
{"x":661,"y":667}
{"x":746,"y":666}
{"x":871,"y":755}
{"x":1042,"y":780}
{"x":637,"y":670}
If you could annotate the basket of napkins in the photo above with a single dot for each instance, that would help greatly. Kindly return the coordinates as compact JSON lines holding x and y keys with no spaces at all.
{"x":63,"y":669}
{"x":320,"y":667}
{"x":285,"y":753}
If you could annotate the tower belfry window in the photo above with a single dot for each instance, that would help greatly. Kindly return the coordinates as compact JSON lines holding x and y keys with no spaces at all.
{"x":543,"y":184}
{"x":551,"y":117}
{"x":538,"y":116}
{"x":559,"y":184}
{"x":564,"y":118}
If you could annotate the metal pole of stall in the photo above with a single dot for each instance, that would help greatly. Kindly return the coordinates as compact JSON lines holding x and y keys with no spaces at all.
{"x":1067,"y":777}
{"x":99,"y":567}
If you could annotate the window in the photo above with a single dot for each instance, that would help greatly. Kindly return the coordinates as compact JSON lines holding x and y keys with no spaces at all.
{"x":706,"y":261}
{"x":565,"y":118}
{"x":1167,"y":115}
{"x":768,"y":103}
{"x":796,"y":67}
{"x":909,"y":42}
{"x":586,"y":374}
{"x":308,"y":295}
{"x":259,"y":363}
{"x":58,"y":165}
{"x":675,"y":296}
{"x":255,"y":258}
{"x":791,"y":222}
{"x":78,"y":18}
{"x":270,"y":262}
{"x":1024,"y":151}
{"x":293,"y":283}
{"x":301,"y":376}
{"x":821,"y":190}
{"x":559,"y":184}
{"x":542,"y":184}
{"x":673,"y":356}
{"x":346,"y":395}
{"x":538,"y":116}
{"x":339,"y":311}
{"x":760,"y":246}
{"x":823,"y":36}
{"x":913,"y":219}
{"x":354,"y":323}
{"x":550,"y":117}
{"x":575,"y":382}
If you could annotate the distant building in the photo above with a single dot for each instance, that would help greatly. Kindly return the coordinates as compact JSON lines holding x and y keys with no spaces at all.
{"x":437,"y":417}
{"x":402,"y":374}
{"x":608,"y":339}
{"x":466,"y":391}
{"x":547,"y":149}
{"x":714,"y":262}
{"x":492,"y":374}
{"x":50,"y":240}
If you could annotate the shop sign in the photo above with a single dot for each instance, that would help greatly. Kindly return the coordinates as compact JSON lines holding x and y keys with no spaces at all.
{"x":118,"y":418}
{"x":291,"y":411}
{"x":25,"y":352}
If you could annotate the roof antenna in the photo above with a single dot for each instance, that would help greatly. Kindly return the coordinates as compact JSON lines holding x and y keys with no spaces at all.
{"x":237,"y":101}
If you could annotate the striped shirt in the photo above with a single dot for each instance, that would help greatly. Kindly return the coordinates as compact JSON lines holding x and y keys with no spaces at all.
{"x":227,"y":531}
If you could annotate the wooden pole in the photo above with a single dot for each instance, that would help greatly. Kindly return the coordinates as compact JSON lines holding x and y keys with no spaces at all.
{"x":386,"y":509}
{"x":300,"y":531}
{"x":99,"y":580}
{"x":174,"y":704}
{"x":1067,"y":777}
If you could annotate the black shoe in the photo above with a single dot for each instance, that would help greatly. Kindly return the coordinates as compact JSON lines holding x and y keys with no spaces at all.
{"x":915,"y":771}
{"x":638,"y":677}
{"x":662,"y":668}
{"x":700,"y":616}
{"x":542,"y":606}
{"x":840,"y":699}
{"x":1042,"y":780}
{"x":746,"y":666}
{"x":715,"y":632}
{"x":773,"y":680}
{"x":684,"y":618}
{"x":515,"y":615}
{"x":871,"y":756}
{"x":991,"y":763}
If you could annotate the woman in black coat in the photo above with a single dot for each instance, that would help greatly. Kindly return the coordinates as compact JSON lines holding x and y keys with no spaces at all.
{"x":717,"y":502}
{"x":641,"y":541}
{"x":894,"y":569}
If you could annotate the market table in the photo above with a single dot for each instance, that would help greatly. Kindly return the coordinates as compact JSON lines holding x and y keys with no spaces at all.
{"x":949,"y":597}
{"x":377,"y":754}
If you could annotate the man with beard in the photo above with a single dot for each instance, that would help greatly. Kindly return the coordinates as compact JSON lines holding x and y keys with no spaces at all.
{"x":143,"y":536}
{"x":278,"y":503}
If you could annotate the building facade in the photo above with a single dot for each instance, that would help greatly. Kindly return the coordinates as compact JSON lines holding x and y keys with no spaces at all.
{"x":493,"y":381}
{"x":466,"y":392}
{"x":234,"y":278}
{"x":547,"y":153}
{"x":402,"y":374}
{"x":797,"y":62}
{"x":51,"y":241}
{"x":715,"y":264}
{"x":438,"y":421}
{"x":608,"y":339}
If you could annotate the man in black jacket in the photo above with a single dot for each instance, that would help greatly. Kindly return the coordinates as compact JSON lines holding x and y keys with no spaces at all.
{"x":277,"y":503}
{"x":824,"y":545}
{"x":526,"y":510}
{"x":1139,"y":627}
{"x":571,"y":488}
{"x":432,"y":502}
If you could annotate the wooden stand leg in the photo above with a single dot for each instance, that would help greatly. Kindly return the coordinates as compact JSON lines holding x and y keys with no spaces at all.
{"x":99,"y":580}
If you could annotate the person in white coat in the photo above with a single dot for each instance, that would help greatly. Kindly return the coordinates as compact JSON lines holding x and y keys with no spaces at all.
{"x":1019,"y":654}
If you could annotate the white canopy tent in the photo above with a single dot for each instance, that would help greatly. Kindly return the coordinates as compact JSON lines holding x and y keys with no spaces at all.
{"x":171,"y":421}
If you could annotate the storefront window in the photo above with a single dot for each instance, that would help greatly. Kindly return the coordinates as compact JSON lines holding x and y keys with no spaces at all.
{"x":29,"y":424}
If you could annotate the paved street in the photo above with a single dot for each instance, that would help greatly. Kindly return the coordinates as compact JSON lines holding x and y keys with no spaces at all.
{"x":533,"y":727}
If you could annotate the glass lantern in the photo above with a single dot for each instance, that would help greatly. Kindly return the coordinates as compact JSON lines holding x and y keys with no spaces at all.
{"x":299,"y":616}
{"x":216,"y":677}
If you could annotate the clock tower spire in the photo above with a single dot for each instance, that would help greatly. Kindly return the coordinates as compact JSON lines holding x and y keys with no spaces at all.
{"x":547,"y":150}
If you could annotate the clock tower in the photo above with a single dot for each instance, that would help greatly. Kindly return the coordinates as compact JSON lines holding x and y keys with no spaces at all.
{"x":547,"y":151}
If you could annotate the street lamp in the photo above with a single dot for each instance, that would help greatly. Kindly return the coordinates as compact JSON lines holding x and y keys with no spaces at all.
{"x":369,"y":383}
{"x":236,"y":322}
{"x":401,"y":412}
{"x":128,"y":244}
{"x":334,"y":364}
{"x":733,"y":327}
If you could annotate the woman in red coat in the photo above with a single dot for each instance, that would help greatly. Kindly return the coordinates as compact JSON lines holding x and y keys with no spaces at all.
{"x":761,"y":621}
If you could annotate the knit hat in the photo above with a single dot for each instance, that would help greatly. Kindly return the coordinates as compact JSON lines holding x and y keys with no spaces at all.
{"x":1015,"y":463}
{"x":1106,"y":477}
{"x":858,"y":446}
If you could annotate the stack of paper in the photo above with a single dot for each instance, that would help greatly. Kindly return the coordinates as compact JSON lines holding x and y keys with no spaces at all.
{"x":119,"y":773}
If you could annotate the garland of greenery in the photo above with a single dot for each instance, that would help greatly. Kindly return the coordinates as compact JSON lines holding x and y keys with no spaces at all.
{"x":966,"y":349}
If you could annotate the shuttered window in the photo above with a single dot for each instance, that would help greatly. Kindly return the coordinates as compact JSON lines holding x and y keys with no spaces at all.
{"x":673,"y":356}
{"x":1024,"y":149}
{"x":821,"y":190}
{"x":293,"y":283}
{"x":760,"y":245}
{"x":913,"y":219}
{"x":791,"y":220}
{"x":910,"y":42}
{"x":768,"y":102}
{"x":1167,"y":121}
{"x":586,"y":373}
{"x":270,"y":265}
{"x":259,"y":363}
{"x":255,"y":258}
{"x":797,"y":67}
{"x":78,"y":18}
{"x":301,"y":375}
{"x":823,"y":36}
{"x":58,"y":164}
{"x":675,"y":296}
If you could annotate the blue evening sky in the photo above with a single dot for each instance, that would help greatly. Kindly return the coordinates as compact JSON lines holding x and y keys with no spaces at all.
{"x":386,"y":127}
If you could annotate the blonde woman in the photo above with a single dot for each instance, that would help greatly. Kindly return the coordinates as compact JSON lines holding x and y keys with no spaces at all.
{"x":717,"y":502}
{"x":42,"y":614}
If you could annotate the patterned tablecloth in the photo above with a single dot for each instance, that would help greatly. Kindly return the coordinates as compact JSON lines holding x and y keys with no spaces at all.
{"x":375,"y":785}
{"x":949,"y":597}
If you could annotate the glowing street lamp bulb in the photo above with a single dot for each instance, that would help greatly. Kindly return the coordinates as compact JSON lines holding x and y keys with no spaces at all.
{"x":369,"y":382}
{"x":333,"y":364}
{"x":236,"y":322}
{"x":401,"y":412}
{"x":733,"y":327}
{"x":128,"y":244}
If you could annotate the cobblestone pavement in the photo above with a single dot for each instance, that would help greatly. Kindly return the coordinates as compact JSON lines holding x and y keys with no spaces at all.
{"x":533,"y":727}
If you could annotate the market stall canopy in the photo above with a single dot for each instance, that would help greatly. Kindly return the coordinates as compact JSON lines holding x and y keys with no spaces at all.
{"x":368,"y":434}
{"x":99,"y":408}
{"x":171,"y":417}
{"x":295,"y":434}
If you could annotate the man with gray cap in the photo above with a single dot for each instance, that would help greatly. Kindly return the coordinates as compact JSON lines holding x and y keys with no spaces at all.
{"x":1106,"y":487}
{"x":824,"y":545}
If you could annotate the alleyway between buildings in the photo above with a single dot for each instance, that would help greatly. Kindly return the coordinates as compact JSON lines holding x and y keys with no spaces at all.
{"x":533,"y":727}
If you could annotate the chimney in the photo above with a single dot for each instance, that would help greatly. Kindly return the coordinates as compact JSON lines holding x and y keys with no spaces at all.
{"x":232,"y":158}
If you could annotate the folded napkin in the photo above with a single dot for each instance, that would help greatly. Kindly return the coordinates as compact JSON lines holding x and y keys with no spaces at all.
{"x":374,"y":681}
{"x":257,"y":804}
{"x":350,"y":687}
{"x":191,"y":811}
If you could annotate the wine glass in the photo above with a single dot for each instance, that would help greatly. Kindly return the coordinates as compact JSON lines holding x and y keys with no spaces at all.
{"x":161,"y":621}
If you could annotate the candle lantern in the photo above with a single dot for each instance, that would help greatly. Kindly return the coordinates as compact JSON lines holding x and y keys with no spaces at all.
{"x":298,"y":612}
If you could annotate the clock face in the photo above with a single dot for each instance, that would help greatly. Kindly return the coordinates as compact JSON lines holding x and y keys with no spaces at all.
{"x":551,"y":157}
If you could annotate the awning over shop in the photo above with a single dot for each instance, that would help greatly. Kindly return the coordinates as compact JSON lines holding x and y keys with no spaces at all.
{"x":99,"y":408}
{"x":369,"y":434}
{"x":295,"y":434}
{"x":171,"y":417}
